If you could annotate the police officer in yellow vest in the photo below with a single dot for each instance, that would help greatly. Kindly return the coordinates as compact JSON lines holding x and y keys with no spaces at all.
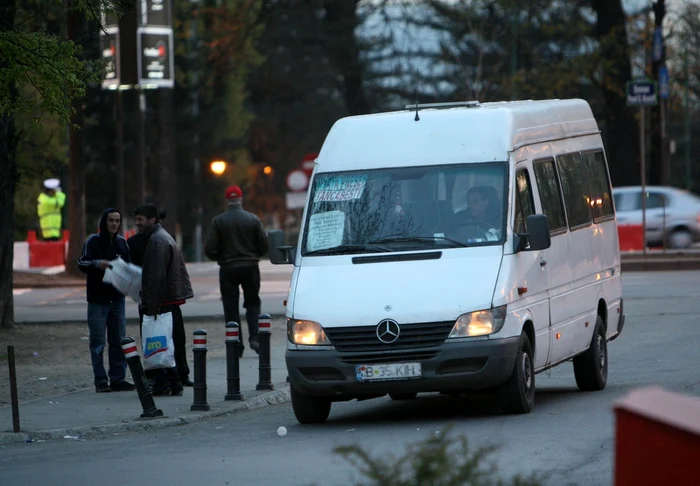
{"x":49,"y":205}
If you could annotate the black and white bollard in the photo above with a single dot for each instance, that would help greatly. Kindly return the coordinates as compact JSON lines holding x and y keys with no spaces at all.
{"x":233,"y":371}
{"x":133,"y":359}
{"x":199,"y":347}
{"x":264,"y":331}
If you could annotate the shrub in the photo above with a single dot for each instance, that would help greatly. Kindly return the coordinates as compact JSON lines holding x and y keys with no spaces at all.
{"x":439,"y":460}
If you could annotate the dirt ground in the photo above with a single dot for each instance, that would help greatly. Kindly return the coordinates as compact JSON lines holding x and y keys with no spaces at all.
{"x":52,"y":359}
{"x":34,"y":279}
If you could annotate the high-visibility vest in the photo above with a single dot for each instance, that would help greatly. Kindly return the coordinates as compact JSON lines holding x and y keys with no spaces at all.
{"x":49,"y":210}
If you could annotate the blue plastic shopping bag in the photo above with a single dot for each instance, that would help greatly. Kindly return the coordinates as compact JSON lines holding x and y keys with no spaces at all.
{"x":157,"y":341}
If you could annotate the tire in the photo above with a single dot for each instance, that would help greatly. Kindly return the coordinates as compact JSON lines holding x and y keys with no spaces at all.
{"x":403,"y":396}
{"x":591,"y":367}
{"x":309,"y":409}
{"x":680,"y":239}
{"x":517,"y":395}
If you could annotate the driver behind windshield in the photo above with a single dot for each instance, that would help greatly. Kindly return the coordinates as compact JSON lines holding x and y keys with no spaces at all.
{"x":481,"y":219}
{"x":480,"y":207}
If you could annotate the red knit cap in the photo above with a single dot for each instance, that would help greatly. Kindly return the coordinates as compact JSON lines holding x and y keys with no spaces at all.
{"x":233,"y":192}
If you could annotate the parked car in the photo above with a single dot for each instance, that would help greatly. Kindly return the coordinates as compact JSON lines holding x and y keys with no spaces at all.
{"x":672,"y":214}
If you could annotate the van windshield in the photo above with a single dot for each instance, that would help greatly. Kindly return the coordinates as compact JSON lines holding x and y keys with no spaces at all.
{"x":406,"y":208}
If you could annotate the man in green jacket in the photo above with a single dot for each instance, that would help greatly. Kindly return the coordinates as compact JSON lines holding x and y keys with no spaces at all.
{"x":48,"y":208}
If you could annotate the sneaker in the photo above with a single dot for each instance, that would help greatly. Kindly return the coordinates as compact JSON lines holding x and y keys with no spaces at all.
{"x":176,"y":392}
{"x":102,"y":387}
{"x":255,"y":345}
{"x":162,"y":393}
{"x":186,"y":381}
{"x":123,"y":386}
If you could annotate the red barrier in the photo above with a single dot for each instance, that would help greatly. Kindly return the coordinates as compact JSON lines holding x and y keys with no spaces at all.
{"x":47,"y":253}
{"x":657,"y":439}
{"x":631,"y":237}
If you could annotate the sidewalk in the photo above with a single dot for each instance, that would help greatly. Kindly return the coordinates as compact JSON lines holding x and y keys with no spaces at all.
{"x":84,"y":414}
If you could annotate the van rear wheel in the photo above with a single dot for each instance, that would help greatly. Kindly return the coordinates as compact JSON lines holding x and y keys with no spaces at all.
{"x":591,"y":367}
{"x":517,"y":395}
{"x":309,"y":409}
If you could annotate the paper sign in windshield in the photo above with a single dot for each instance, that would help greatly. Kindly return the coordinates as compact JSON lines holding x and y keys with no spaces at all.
{"x":340,"y":189}
{"x":325,"y":230}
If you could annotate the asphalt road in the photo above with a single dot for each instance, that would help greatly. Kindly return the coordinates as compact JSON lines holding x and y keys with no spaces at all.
{"x":69,"y":304}
{"x":569,"y":434}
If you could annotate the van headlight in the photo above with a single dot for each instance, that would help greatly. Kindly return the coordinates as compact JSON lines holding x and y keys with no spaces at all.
{"x":306,"y":333}
{"x":479,"y":323}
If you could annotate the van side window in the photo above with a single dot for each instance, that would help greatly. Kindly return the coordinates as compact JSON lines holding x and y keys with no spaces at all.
{"x":524,"y":206}
{"x":550,"y":194}
{"x":574,"y":184}
{"x":601,"y":203}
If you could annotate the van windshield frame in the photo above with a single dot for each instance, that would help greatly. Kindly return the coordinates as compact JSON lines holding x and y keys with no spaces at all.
{"x":407,"y":209}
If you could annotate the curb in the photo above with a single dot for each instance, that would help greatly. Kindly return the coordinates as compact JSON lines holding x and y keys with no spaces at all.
{"x":135,"y":320}
{"x":660,"y":264}
{"x":272,"y":398}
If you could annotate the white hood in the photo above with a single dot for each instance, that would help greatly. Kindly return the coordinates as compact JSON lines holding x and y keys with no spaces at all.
{"x":336,"y":293}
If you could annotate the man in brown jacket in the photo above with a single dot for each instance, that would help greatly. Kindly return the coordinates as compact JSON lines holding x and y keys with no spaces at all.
{"x":165,"y":283}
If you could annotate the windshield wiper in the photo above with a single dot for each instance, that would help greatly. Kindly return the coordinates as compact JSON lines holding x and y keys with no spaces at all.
{"x":405,"y":239}
{"x":346,"y":249}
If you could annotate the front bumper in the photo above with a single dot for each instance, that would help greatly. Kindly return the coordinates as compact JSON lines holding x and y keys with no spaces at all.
{"x":466,"y":365}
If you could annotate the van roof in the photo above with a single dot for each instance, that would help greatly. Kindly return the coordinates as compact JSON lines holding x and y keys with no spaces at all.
{"x":473,"y":132}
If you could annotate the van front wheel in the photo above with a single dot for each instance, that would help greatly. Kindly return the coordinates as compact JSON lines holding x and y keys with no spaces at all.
{"x":517,"y":395}
{"x":591,"y":367}
{"x":309,"y":409}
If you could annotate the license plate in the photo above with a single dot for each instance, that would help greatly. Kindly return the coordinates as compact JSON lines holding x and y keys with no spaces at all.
{"x":387,"y":372}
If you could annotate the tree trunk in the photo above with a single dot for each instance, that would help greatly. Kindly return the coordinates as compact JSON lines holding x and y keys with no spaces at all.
{"x":167,"y":177}
{"x":344,"y":53}
{"x":659,"y":173}
{"x":8,"y":180}
{"x":76,"y":193}
{"x":620,"y":132}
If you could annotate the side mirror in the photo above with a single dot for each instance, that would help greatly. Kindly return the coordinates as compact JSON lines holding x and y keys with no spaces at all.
{"x":280,"y":253}
{"x":537,"y":236}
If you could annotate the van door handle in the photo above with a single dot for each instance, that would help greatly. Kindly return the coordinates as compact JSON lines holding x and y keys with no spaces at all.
{"x":543,"y":262}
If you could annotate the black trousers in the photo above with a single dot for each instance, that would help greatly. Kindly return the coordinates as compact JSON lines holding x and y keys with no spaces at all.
{"x":179,"y":340}
{"x":246,"y":276}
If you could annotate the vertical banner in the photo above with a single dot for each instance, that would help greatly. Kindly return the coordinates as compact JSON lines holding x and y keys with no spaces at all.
{"x":155,"y":49}
{"x":109,"y":50}
{"x":110,"y":53}
{"x":156,"y":58}
{"x":156,"y":13}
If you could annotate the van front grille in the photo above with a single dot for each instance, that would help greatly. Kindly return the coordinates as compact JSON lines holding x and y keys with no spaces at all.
{"x":359,"y":339}
{"x":387,"y":358}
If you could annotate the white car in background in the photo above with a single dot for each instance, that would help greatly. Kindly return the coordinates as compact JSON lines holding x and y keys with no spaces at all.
{"x":672,"y":214}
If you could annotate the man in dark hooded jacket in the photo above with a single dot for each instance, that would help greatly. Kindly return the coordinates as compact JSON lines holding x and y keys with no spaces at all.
{"x":106,"y":306}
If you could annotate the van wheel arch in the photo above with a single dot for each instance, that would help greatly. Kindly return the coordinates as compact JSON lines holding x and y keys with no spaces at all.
{"x":603,"y":313}
{"x":529,"y":330}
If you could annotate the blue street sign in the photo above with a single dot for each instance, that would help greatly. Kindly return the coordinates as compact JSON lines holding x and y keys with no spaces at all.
{"x":641,"y":93}
{"x":657,"y":49}
{"x":664,"y":87}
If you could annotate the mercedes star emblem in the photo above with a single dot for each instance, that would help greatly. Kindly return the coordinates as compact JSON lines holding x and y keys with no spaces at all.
{"x":388,"y":331}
